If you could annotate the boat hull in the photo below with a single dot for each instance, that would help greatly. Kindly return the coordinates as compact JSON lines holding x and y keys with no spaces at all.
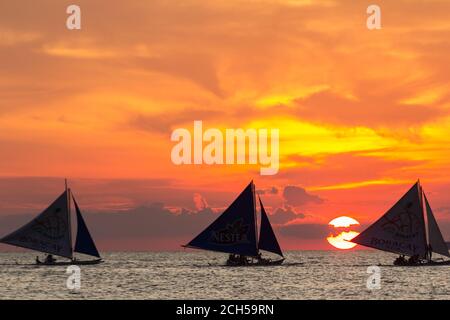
{"x":69,"y":263}
{"x":425,"y":264}
{"x":258,"y":263}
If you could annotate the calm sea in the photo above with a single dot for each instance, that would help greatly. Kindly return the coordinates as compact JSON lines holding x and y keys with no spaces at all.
{"x":201,"y":275}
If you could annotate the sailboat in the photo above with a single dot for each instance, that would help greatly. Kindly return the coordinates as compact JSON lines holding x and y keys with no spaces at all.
{"x":50,"y":232}
{"x":235,"y":232}
{"x":410,"y":229}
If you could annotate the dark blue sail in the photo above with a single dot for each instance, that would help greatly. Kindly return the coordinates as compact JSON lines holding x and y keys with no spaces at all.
{"x":84,"y":243}
{"x":234,"y":231}
{"x":267,"y":239}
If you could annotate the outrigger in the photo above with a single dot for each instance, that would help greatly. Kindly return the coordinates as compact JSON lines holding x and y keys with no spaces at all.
{"x":409,"y":229}
{"x":50,"y":232}
{"x":234,"y":232}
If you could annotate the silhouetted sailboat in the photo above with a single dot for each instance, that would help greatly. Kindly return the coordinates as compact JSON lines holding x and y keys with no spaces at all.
{"x":50,"y":232}
{"x":235,"y":232}
{"x":406,"y":230}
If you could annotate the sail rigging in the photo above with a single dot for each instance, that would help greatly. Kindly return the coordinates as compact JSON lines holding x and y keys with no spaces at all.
{"x":401,"y":229}
{"x":84,"y":243}
{"x":235,"y":230}
{"x":267,"y":239}
{"x":436,"y":241}
{"x":49,"y":232}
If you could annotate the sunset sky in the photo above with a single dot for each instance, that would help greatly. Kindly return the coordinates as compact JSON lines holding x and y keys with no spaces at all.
{"x":362,"y":114}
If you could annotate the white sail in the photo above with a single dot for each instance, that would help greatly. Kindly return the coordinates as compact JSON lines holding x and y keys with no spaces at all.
{"x":435,"y":238}
{"x":401,"y":229}
{"x":49,"y":232}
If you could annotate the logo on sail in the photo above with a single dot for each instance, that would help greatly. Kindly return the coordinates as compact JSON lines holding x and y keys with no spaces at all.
{"x":233,"y":233}
{"x":52,"y":226}
{"x":404,"y":225}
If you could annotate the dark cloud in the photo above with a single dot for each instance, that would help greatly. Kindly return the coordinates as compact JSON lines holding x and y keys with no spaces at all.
{"x":305,"y":231}
{"x":284,"y":215}
{"x":297,"y":196}
{"x":273,"y":191}
{"x":30,"y":194}
{"x":444,"y":210}
{"x":164,"y":122}
{"x":23,"y":195}
{"x":155,"y":223}
{"x":152,"y":221}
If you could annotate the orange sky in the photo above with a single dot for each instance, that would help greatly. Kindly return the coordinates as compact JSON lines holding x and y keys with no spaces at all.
{"x":362,"y":114}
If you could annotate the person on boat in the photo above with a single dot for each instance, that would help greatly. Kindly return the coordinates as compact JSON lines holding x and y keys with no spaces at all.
{"x":429,"y":253}
{"x":400,"y":260}
{"x":413,"y":259}
{"x":50,"y":259}
{"x":259,"y":257}
{"x":232,"y":259}
{"x":242,"y":260}
{"x":237,"y":260}
{"x":262,"y":260}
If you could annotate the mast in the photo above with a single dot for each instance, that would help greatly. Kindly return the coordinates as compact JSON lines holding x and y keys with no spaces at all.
{"x":421,"y":194}
{"x":255,"y":217}
{"x":69,"y":216}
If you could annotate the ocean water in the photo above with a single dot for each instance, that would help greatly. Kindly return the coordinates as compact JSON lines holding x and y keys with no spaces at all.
{"x":201,"y":275}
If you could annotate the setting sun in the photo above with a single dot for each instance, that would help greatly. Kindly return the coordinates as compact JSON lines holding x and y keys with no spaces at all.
{"x":341,"y":235}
